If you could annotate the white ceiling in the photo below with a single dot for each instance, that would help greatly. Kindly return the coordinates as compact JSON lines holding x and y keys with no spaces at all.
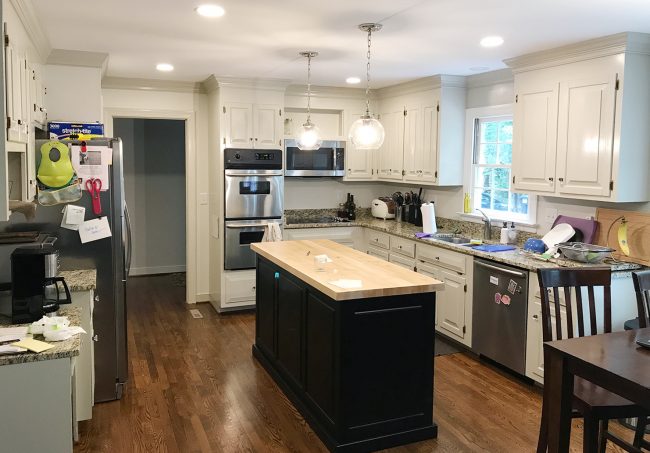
{"x":262,"y":38}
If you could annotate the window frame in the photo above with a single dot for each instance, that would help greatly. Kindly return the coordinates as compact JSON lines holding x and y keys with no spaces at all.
{"x":471,"y":135}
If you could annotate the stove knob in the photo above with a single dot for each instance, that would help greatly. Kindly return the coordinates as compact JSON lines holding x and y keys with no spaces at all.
{"x":237,"y":156}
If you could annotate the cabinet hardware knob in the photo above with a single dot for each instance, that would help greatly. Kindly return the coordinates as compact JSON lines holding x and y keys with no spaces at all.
{"x":560,"y":179}
{"x":255,"y":138}
{"x":550,"y":179}
{"x":96,"y":298}
{"x":253,"y":288}
{"x":535,"y":317}
{"x":438,"y":258}
{"x":251,"y":139}
{"x":95,"y":337}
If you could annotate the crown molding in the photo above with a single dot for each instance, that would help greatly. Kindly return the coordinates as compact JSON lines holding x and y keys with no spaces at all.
{"x":125,"y":83}
{"x":33,"y":27}
{"x":423,"y":84}
{"x":319,"y":91}
{"x":628,"y":42}
{"x":490,"y":78}
{"x":214,"y":82}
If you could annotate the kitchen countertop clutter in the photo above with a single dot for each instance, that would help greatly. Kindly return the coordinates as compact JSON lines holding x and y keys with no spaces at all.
{"x":305,"y":219}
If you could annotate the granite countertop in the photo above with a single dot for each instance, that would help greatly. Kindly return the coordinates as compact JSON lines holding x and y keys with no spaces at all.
{"x":62,"y":349}
{"x":80,"y":280}
{"x":518,"y":258}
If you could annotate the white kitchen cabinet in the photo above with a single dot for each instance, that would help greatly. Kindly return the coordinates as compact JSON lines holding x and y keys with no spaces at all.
{"x":391,"y":152}
{"x":379,"y":253}
{"x":239,"y":289}
{"x":424,"y":122}
{"x":579,"y":120}
{"x":84,"y":388}
{"x":402,"y":261}
{"x":16,"y":92}
{"x":454,"y":302}
{"x":252,"y":125}
{"x":37,"y":94}
{"x":359,"y":163}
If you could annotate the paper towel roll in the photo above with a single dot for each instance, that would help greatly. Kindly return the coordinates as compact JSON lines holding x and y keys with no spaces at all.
{"x":428,"y":218}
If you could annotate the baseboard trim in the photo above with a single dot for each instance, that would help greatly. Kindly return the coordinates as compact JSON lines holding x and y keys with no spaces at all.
{"x":156,"y":270}
{"x":203,"y":297}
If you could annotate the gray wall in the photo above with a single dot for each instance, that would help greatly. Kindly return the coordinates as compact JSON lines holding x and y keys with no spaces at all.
{"x":154,"y":182}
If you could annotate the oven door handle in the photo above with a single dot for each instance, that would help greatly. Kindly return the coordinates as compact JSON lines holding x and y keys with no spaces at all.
{"x":258,"y":174}
{"x":248,"y":225}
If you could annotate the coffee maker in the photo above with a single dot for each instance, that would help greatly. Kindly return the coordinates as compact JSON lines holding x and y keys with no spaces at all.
{"x":35,"y":284}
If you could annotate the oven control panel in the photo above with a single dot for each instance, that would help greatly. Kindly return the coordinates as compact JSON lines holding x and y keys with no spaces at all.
{"x":252,"y":159}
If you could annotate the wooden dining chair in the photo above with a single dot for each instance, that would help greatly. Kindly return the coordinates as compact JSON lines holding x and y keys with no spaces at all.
{"x":641,"y":281}
{"x":596,"y":405}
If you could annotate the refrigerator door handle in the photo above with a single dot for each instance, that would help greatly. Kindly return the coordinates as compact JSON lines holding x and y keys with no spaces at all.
{"x":129,"y":248}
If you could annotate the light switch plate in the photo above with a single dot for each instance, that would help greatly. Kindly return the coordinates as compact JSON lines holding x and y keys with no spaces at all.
{"x":204,"y":198}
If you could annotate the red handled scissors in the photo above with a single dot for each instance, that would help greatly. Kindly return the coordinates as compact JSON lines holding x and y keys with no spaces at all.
{"x":94,"y":187}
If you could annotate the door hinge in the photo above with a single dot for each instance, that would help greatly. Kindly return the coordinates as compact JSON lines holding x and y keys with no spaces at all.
{"x":224,"y":140}
{"x":280,"y":142}
{"x":372,"y":171}
{"x":280,"y":112}
{"x":6,"y":40}
{"x":516,"y":98}
{"x":464,"y":329}
{"x":465,"y":288}
{"x":405,"y":112}
{"x":513,"y":179}
{"x":616,"y":87}
{"x":224,"y":109}
{"x":8,"y":122}
{"x":611,"y":185}
{"x":403,"y":172}
{"x":437,"y":107}
{"x":435,"y":174}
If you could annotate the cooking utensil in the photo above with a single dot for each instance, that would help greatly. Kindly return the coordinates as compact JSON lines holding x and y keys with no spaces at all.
{"x":561,"y":232}
{"x":94,"y":187}
{"x":585,"y":253}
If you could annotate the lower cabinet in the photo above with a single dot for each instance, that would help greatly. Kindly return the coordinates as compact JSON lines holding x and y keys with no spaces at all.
{"x":84,"y":389}
{"x":348,"y":236}
{"x":330,"y":358}
{"x":238,"y":289}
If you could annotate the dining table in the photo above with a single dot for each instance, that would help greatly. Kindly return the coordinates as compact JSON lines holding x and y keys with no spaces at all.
{"x":612,"y":361}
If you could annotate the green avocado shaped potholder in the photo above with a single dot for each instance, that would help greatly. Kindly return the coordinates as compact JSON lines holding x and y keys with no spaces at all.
{"x":55,"y":169}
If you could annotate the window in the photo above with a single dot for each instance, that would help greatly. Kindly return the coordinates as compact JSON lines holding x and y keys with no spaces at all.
{"x":491,"y":173}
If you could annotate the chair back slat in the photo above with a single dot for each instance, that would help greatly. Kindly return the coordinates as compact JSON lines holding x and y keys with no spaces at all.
{"x":569,"y":311}
{"x":570,"y":280}
{"x":579,"y":309}
{"x":641,"y":281}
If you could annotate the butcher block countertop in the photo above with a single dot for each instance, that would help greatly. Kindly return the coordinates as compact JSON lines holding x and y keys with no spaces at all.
{"x":378,"y":277}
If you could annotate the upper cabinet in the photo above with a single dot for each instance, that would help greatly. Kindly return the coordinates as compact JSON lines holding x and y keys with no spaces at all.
{"x":424,"y":123}
{"x":579,"y":120}
{"x":249,"y":125}
{"x":359,"y":163}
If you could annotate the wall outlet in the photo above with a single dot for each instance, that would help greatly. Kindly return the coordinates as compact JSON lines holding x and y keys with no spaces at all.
{"x":549,"y":215}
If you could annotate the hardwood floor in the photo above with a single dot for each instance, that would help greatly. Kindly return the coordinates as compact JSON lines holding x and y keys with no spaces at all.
{"x":195,"y":387}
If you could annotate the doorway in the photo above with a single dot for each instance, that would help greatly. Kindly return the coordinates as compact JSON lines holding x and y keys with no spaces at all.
{"x":154,"y":153}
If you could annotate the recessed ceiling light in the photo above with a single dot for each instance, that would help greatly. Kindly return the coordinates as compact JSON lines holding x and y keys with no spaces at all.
{"x":492,"y":41}
{"x":353,"y":80}
{"x":164,"y":67}
{"x":210,"y":10}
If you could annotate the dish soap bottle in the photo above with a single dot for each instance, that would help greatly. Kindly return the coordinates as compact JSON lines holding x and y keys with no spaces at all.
{"x":512,"y":234}
{"x":467,"y":204}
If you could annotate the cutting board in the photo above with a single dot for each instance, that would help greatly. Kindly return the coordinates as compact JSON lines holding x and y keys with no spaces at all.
{"x":638,"y":233}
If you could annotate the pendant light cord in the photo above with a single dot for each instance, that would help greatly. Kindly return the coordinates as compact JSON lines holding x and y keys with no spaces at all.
{"x":308,"y":88}
{"x":368,"y":74}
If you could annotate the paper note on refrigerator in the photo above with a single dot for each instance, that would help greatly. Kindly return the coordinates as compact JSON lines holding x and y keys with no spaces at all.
{"x":73,"y":216}
{"x":95,"y":229}
{"x":92,"y":163}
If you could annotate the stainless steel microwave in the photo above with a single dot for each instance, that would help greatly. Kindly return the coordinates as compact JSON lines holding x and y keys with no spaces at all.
{"x":328,"y":160}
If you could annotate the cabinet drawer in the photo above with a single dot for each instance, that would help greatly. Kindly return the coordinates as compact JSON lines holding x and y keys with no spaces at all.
{"x":402,"y":246}
{"x":400,"y":260}
{"x":443,"y":258}
{"x":239,"y":288}
{"x":379,"y":253}
{"x":378,"y":239}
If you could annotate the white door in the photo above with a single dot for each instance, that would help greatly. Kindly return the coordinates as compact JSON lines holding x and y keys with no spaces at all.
{"x":238,"y":125}
{"x":413,"y":149}
{"x":358,"y":162}
{"x":391,"y":152}
{"x":451,"y":303}
{"x":535,"y":136}
{"x":267,"y":126}
{"x":585,"y":136}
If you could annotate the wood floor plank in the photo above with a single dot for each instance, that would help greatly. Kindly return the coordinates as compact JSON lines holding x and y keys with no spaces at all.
{"x":195,"y":387}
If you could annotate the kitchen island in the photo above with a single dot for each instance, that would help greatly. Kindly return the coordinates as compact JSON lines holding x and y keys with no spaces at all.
{"x":355,"y":359}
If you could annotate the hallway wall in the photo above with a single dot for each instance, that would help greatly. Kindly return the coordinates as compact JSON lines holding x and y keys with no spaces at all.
{"x":154,"y":182}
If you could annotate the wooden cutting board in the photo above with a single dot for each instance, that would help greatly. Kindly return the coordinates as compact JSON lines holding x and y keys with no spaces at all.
{"x":638,"y":233}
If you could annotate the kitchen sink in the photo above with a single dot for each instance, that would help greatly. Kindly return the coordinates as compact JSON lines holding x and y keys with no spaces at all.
{"x":452,"y":239}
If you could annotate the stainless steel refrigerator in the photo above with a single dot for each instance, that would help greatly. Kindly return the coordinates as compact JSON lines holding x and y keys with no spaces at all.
{"x":111,"y":258}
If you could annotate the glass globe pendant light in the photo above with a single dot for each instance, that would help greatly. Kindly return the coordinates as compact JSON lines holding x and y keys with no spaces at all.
{"x":367,"y":132}
{"x":309,"y":137}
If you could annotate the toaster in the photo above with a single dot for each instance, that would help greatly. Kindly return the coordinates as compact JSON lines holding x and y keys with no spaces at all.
{"x":383,"y":208}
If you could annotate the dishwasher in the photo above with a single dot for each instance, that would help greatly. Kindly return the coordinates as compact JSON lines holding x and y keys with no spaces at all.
{"x":500,"y":313}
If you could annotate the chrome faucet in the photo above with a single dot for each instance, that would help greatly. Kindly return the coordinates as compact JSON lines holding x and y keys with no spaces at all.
{"x":487,"y":225}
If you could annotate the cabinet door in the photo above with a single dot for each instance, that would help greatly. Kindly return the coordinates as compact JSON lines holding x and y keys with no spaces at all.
{"x":290,"y":302}
{"x":238,"y":129}
{"x":359,"y":163}
{"x":428,"y":157}
{"x":413,"y":150}
{"x":406,"y":263}
{"x":24,"y":98}
{"x":265,"y":308}
{"x":379,"y":253}
{"x":433,"y":272}
{"x":391,"y":153}
{"x":451,"y":302}
{"x":36,"y":92}
{"x":14,"y":101}
{"x":585,"y":136}
{"x":534,"y":141}
{"x":267,"y":126}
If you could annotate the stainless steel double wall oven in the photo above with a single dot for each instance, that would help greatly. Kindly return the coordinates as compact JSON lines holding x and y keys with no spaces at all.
{"x":254,"y":195}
